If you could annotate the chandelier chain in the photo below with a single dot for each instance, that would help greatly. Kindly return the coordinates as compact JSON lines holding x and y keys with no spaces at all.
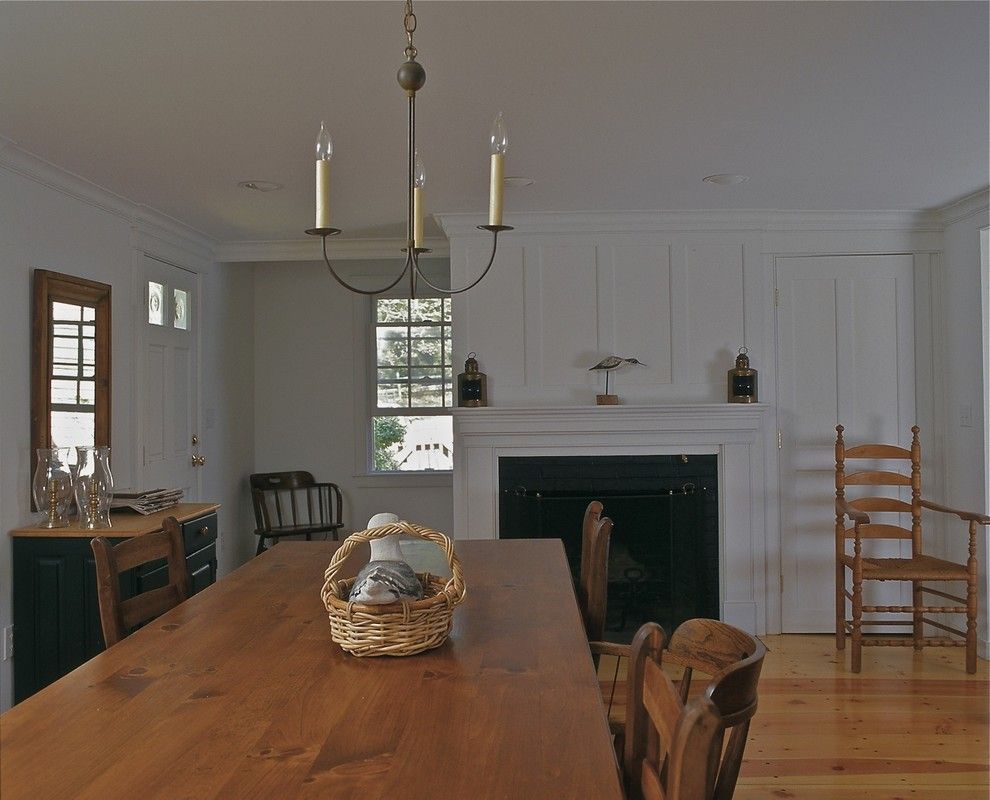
{"x":409,"y":23}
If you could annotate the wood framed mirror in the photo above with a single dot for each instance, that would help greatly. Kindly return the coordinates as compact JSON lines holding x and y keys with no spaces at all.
{"x":70,"y":362}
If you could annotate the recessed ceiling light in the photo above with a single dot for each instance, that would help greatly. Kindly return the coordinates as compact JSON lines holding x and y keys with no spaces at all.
{"x":518,"y":181}
{"x":725,"y":179}
{"x":260,"y":186}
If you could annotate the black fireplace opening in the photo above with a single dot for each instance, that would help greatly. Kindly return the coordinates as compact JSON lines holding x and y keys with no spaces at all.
{"x":663,"y":558}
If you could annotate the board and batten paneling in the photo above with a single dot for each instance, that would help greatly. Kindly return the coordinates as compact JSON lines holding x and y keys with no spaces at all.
{"x":554,"y":305}
{"x":567,"y":315}
{"x":639,"y":322}
{"x":714,"y":318}
{"x":845,"y":355}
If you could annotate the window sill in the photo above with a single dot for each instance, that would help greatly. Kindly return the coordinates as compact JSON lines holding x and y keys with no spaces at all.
{"x":404,"y":480}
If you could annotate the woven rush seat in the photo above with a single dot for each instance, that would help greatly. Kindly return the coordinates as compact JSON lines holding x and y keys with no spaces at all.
{"x":920,"y":567}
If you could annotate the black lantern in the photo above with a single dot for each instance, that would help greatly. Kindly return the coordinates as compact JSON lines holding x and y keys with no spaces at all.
{"x":742,"y":380}
{"x":472,"y":385}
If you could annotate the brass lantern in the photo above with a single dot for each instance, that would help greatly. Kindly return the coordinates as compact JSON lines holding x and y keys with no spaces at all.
{"x":472,"y":385}
{"x":742,"y":380}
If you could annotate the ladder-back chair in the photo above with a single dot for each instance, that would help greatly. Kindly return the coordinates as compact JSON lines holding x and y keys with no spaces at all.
{"x":916,"y":568}
{"x":293,"y":504}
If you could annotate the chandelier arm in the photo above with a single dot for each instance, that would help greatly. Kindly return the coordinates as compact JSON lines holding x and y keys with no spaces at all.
{"x":355,"y":289}
{"x":428,"y":282}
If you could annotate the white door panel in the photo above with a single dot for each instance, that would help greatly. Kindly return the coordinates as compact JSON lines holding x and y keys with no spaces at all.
{"x":845,"y":348}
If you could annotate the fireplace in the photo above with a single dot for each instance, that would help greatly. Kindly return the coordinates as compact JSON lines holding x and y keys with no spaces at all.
{"x":663,"y":559}
{"x":732,"y":435}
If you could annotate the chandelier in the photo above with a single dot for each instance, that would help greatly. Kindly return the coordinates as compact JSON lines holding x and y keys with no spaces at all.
{"x":412,"y":77}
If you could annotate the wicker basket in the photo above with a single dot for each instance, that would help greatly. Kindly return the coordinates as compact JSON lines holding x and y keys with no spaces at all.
{"x":397,"y":629}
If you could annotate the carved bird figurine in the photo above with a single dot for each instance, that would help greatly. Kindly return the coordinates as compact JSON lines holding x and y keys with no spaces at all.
{"x":611,"y":362}
{"x":387,"y":577}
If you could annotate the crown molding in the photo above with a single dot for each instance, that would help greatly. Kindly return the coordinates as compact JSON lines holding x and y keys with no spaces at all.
{"x":590,"y":222}
{"x":309,"y":249}
{"x":151,"y":222}
{"x":976,"y":203}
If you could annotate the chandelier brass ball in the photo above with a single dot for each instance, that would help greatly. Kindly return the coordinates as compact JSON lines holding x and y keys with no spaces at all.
{"x":411,"y":76}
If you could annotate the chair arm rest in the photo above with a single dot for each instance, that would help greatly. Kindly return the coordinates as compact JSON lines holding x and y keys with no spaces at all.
{"x":859,"y":517}
{"x":609,"y":649}
{"x":968,"y":516}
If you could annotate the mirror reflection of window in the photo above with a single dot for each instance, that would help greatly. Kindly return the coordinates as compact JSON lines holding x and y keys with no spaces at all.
{"x":73,"y":376}
{"x":70,"y":363}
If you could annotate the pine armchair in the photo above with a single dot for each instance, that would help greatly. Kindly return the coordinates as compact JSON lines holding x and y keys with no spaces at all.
{"x":864,"y":513}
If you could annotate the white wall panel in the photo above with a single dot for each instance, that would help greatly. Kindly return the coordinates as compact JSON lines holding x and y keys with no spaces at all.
{"x":638,"y":278}
{"x":490,"y":319}
{"x":568,"y":305}
{"x":713,"y":303}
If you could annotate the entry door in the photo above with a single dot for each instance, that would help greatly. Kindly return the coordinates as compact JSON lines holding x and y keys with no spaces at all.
{"x":169,"y":378}
{"x":845,"y":349}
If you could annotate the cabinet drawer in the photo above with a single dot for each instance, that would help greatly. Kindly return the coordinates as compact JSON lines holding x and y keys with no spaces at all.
{"x":202,"y":568}
{"x":197,"y":533}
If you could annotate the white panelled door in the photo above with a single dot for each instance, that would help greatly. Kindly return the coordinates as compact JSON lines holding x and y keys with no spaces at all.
{"x":169,"y":378}
{"x":846,"y":350}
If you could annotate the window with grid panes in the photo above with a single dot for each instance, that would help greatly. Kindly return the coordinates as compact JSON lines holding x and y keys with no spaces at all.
{"x":72,"y":374}
{"x":412,"y":430}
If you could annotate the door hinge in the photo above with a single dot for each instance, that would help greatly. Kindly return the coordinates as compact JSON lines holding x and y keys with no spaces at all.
{"x":776,"y":298}
{"x":781,"y":582}
{"x":780,"y":440}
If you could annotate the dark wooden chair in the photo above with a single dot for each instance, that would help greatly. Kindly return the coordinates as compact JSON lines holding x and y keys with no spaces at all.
{"x":293,"y":504}
{"x":596,"y":534}
{"x":672,"y":748}
{"x":916,"y":569}
{"x":732,"y":660}
{"x":119,"y":617}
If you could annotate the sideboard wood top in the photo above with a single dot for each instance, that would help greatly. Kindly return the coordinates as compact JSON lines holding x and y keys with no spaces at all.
{"x":124,"y":523}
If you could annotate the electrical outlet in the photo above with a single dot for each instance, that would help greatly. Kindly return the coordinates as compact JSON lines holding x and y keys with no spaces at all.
{"x":8,"y":643}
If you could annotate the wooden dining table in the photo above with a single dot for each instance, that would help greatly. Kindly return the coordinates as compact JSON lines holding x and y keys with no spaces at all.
{"x":240,"y":693}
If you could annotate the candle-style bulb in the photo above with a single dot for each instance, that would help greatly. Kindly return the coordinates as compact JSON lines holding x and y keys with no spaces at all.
{"x":419,"y":173}
{"x":499,"y":139}
{"x":324,"y":144}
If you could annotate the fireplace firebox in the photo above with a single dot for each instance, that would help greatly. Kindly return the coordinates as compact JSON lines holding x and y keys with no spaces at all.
{"x":664,"y":554}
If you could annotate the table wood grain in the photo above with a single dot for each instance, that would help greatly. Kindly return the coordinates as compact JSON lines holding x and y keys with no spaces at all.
{"x":239,"y":692}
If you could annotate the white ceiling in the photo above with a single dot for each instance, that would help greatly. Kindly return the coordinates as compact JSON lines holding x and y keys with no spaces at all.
{"x":610,"y":106}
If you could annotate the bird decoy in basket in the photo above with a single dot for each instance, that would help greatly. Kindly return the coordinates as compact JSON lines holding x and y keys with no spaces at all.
{"x":387,"y":577}
{"x":608,"y":364}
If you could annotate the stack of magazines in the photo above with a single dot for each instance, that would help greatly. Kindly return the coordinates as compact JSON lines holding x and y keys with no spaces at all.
{"x":147,"y":501}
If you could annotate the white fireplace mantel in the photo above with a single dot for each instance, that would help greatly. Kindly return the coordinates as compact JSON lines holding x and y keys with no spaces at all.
{"x":732,"y":432}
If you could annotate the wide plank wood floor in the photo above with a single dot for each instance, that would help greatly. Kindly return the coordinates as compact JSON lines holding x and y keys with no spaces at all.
{"x":908,"y":726}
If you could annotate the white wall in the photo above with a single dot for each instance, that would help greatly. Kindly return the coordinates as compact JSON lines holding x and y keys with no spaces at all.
{"x":966,"y":457}
{"x":50,"y":219}
{"x":311,"y":354}
{"x":681,"y":291}
{"x":227,"y":418}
